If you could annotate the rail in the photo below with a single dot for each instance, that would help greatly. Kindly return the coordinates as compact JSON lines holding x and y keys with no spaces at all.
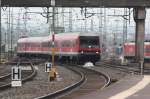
{"x":77,"y":84}
{"x":8,"y":76}
{"x":66,"y":89}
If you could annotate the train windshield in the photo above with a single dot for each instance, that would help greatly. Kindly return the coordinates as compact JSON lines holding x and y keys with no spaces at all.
{"x":89,"y":42}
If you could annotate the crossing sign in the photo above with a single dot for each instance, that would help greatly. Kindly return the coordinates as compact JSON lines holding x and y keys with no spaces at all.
{"x":16,"y":76}
{"x":48,"y":66}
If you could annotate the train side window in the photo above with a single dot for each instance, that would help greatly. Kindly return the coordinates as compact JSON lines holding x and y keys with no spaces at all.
{"x":27,"y":44}
{"x":51,"y":45}
{"x":73,"y":43}
{"x":18,"y":44}
{"x":65,"y":44}
{"x":70,"y":43}
{"x":32,"y":44}
{"x":45,"y":44}
{"x":23,"y":45}
{"x":62,"y":44}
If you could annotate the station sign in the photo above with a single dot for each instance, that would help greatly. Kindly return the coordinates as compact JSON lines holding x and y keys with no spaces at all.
{"x":16,"y":76}
{"x":16,"y":83}
{"x":48,"y":66}
{"x":76,"y":3}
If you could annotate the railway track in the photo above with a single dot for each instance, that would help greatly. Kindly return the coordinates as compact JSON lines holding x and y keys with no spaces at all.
{"x":130,"y":68}
{"x":118,"y":67}
{"x":5,"y":80}
{"x":88,"y":83}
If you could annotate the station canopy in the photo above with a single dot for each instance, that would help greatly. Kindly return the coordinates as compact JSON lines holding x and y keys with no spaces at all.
{"x":76,"y":3}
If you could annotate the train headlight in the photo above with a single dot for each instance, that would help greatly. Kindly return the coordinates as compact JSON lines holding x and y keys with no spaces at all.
{"x":81,"y":52}
{"x":97,"y":52}
{"x":121,"y":57}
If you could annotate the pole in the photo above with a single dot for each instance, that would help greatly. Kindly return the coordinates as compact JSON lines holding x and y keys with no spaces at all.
{"x":53,"y":69}
{"x":124,"y":33}
{"x":49,"y":19}
{"x":53,"y":50}
{"x":124,"y":30}
{"x":18,"y":26}
{"x":9,"y":25}
{"x":53,"y":37}
{"x":70,"y":19}
{"x":105,"y":33}
{"x":11,"y":38}
{"x":0,"y":33}
{"x":25,"y":21}
{"x":101,"y":31}
{"x":139,"y":17}
{"x":63,"y":10}
{"x":142,"y":67}
{"x":92,"y":25}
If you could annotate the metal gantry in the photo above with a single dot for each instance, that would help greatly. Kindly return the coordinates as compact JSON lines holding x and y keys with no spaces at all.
{"x":0,"y":34}
{"x":70,"y":19}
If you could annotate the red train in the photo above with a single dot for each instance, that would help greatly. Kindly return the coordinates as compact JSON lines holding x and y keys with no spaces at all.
{"x":129,"y":50}
{"x":78,"y":47}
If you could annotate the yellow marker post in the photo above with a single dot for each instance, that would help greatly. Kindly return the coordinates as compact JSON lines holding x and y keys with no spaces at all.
{"x":53,"y":57}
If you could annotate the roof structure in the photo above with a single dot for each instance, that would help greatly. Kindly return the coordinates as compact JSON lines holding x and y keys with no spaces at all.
{"x":77,"y":3}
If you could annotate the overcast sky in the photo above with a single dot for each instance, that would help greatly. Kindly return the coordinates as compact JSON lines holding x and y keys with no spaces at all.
{"x":39,"y":23}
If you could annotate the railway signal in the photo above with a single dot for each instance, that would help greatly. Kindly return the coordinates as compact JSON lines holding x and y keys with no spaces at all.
{"x":16,"y":77}
{"x":48,"y":67}
{"x":52,"y":72}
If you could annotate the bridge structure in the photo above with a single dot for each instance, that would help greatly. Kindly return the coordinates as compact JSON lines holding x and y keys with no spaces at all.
{"x":138,"y":5}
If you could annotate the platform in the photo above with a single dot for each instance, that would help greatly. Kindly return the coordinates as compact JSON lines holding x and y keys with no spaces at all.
{"x":130,"y":87}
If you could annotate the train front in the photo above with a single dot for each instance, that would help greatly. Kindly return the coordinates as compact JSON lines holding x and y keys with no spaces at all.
{"x":89,"y":48}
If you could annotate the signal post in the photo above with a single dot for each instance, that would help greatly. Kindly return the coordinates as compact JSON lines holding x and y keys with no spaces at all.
{"x":52,"y":73}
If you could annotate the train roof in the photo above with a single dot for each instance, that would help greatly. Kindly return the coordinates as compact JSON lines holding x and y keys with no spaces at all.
{"x":61,"y":36}
{"x":133,"y":43}
{"x":80,"y":34}
{"x":73,"y":35}
{"x":33,"y":39}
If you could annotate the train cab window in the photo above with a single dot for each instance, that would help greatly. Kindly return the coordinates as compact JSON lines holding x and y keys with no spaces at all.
{"x":86,"y":41}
